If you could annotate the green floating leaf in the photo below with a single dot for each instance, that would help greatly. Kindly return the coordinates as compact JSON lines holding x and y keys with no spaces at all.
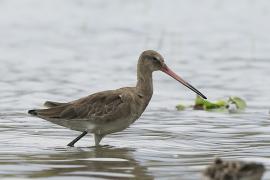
{"x":209,"y":105}
{"x":202,"y":104}
{"x":199,"y":102}
{"x":240,"y":103}
{"x":221,"y":103}
{"x":233,"y":104}
{"x":180,"y":107}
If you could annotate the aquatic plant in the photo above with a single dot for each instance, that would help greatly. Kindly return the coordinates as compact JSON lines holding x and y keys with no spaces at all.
{"x":232,"y":104}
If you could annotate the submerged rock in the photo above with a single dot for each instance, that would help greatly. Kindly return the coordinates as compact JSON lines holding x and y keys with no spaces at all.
{"x":233,"y":170}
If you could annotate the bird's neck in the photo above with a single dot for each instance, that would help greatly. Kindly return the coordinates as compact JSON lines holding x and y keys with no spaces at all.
{"x":144,"y":83}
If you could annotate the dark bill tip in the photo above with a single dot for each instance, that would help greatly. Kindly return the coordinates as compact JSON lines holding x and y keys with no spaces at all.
{"x":195,"y":90}
{"x":168,"y":71}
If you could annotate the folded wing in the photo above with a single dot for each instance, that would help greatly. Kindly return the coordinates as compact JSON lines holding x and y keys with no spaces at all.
{"x":99,"y":108}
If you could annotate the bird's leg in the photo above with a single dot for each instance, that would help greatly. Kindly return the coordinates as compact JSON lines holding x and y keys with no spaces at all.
{"x":98,"y":138}
{"x":71,"y":144}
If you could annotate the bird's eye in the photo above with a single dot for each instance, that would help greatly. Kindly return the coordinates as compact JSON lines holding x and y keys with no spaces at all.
{"x":154,"y":58}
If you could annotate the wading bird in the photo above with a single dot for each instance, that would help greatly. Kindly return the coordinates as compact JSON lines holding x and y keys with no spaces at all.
{"x":110,"y":111}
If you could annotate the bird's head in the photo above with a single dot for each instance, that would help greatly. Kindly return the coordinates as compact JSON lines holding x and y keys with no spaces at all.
{"x":152,"y":61}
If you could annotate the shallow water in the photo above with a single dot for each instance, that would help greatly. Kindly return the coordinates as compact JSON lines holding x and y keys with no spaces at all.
{"x":63,"y":50}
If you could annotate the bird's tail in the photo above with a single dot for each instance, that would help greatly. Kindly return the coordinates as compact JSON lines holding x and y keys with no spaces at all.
{"x":54,"y":112}
{"x":32,"y":112}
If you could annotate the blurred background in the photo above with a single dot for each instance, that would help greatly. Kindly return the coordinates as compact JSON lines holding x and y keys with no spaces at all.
{"x":63,"y":50}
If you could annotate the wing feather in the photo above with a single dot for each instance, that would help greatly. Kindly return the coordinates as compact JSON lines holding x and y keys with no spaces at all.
{"x":99,"y":107}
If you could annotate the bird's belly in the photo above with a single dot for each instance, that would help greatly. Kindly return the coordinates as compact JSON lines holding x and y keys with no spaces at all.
{"x":77,"y":125}
{"x":97,"y":128}
{"x":114,"y":126}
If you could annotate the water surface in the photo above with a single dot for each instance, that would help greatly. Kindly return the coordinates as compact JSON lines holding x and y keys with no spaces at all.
{"x":63,"y":50}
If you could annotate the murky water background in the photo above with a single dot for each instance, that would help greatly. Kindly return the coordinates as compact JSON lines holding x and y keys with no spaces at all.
{"x":63,"y":50}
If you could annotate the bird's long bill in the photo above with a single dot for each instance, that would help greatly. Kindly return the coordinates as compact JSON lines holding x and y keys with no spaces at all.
{"x":168,"y":71}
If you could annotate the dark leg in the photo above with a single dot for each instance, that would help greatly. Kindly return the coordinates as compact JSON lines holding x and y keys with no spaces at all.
{"x":71,"y":144}
{"x":98,"y":138}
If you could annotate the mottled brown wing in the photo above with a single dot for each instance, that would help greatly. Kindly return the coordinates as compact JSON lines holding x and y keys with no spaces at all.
{"x":100,"y":107}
